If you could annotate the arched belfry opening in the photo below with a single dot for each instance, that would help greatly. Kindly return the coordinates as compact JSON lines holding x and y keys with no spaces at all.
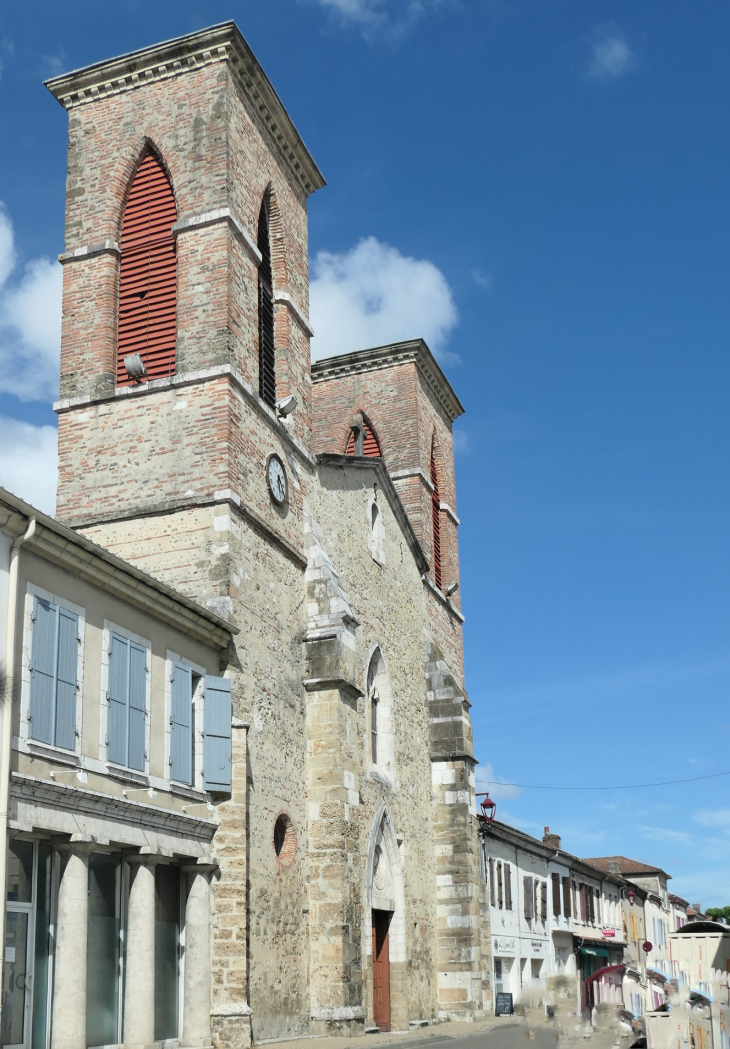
{"x":148,"y":273}
{"x":362,"y":439}
{"x":436,"y":515}
{"x":384,"y":933}
{"x":267,"y":351}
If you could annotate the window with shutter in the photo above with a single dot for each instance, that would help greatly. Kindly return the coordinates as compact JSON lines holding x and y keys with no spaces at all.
{"x":370,"y":443}
{"x":492,"y":895}
{"x":267,"y":351}
{"x":53,"y":684}
{"x":181,"y":722}
{"x":436,"y":518}
{"x":543,"y":900}
{"x":508,"y":886}
{"x":529,"y":902}
{"x":567,"y":910}
{"x":583,"y":902}
{"x":217,"y":756}
{"x":555,"y":878}
{"x":127,"y":698}
{"x":148,"y":273}
{"x":500,"y":897}
{"x":591,"y":906}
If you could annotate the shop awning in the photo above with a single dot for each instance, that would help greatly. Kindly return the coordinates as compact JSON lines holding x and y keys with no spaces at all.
{"x":606,"y":969}
{"x":595,"y":952}
{"x":657,"y":974}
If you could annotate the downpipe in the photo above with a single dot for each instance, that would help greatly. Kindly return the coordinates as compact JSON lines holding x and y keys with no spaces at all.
{"x":6,"y":735}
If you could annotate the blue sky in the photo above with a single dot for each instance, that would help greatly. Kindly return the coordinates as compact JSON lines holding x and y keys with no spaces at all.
{"x":540,"y":188}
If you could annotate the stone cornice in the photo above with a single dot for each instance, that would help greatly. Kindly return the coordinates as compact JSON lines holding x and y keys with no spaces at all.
{"x":65,"y":547}
{"x":89,"y":251}
{"x":414,"y":351}
{"x":184,"y":54}
{"x":441,"y":596}
{"x":283,"y":298}
{"x":212,"y":218}
{"x":94,"y":803}
{"x":357,"y":462}
{"x":191,"y":379}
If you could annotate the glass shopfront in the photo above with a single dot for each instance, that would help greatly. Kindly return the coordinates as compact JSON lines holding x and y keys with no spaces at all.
{"x":27,"y":945}
{"x":33,"y":877}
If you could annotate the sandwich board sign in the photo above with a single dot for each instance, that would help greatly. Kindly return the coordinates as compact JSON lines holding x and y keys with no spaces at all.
{"x":503,"y":1004}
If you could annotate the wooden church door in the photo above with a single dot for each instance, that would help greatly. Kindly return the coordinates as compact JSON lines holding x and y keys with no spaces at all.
{"x":381,"y":970}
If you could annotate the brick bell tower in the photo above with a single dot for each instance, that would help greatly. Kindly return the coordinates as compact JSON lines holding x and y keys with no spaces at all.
{"x":185,"y":324}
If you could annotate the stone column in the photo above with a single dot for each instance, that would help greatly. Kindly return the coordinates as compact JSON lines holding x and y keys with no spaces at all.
{"x":196,"y":991}
{"x":69,"y":996}
{"x":139,"y":993}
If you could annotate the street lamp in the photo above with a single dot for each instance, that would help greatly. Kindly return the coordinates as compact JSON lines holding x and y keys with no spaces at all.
{"x":488,"y":807}
{"x":631,"y":896}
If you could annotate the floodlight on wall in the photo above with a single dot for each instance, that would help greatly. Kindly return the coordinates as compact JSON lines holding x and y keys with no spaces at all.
{"x":286,"y":405}
{"x":451,"y":589}
{"x":135,"y":367}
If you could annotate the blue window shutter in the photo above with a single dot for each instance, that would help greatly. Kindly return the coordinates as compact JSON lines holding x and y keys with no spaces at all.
{"x":217,"y":734}
{"x":43,"y":670}
{"x":181,"y":744}
{"x":68,"y":657}
{"x":137,"y":705}
{"x":118,"y":693}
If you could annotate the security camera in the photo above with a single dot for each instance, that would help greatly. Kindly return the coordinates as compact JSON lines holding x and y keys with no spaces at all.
{"x":286,"y":405}
{"x":135,"y":367}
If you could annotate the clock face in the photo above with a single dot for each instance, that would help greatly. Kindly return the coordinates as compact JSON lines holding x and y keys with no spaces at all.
{"x":276,"y":478}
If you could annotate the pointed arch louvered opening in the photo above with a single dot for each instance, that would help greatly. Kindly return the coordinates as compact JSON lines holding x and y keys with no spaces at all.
{"x":148,"y":273}
{"x":267,"y":353}
{"x":371,"y":448}
{"x":436,"y":518}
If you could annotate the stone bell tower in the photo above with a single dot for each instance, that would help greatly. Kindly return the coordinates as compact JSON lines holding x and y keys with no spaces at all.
{"x":186,"y":239}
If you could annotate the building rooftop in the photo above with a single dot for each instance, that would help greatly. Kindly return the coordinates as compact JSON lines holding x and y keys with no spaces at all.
{"x":219,"y":43}
{"x":391,"y":356}
{"x":62,"y":545}
{"x":625,"y":865}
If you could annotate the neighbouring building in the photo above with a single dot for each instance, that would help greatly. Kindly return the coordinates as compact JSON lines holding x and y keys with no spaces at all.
{"x":120,"y":741}
{"x":698,"y":948}
{"x":657,"y":920}
{"x":309,"y":511}
{"x":551,"y":914}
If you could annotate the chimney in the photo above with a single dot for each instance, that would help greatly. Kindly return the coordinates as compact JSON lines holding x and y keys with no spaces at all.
{"x":613,"y":867}
{"x":551,"y":840}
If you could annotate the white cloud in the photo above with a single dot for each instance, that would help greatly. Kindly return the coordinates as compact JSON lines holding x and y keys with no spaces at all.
{"x":484,"y":280}
{"x":665,"y":834}
{"x":498,"y":789}
{"x":30,"y":322}
{"x":713,"y":818}
{"x":391,"y":17}
{"x":28,"y":462}
{"x":372,"y":295}
{"x":612,"y":56}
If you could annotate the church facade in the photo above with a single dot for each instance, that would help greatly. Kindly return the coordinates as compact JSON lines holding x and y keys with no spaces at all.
{"x":310,"y":506}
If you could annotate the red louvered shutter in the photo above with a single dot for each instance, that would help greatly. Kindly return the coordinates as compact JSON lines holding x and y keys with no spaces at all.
{"x":436,"y":517}
{"x":148,"y":274}
{"x":371,"y":448}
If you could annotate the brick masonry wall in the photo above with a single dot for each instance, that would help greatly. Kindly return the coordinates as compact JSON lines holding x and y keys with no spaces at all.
{"x":218,"y":154}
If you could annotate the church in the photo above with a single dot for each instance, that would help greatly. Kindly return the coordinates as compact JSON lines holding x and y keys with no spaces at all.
{"x":309,"y":509}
